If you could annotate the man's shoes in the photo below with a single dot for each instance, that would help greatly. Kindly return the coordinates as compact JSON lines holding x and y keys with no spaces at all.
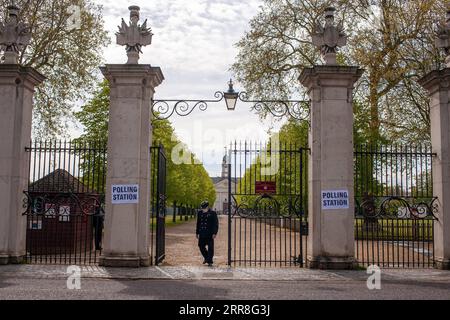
{"x":210,"y":265}
{"x":205,"y":262}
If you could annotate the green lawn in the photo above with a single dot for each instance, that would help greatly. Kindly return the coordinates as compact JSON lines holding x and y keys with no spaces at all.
{"x":382,"y":229}
{"x":170,"y":223}
{"x":394,"y":230}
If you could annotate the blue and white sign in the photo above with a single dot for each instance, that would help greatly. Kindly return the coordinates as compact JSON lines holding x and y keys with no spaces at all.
{"x":125,"y":194}
{"x":335,"y":200}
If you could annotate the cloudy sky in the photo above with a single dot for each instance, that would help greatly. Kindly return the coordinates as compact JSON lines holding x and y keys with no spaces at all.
{"x":193,"y":43}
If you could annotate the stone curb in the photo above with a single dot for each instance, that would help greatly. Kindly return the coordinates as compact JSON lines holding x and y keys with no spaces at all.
{"x":220,"y":274}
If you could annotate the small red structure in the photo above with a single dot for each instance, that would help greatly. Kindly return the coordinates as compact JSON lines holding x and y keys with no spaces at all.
{"x":61,"y":215}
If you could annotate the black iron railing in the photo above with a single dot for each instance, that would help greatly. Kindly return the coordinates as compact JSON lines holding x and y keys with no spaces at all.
{"x":64,"y":202}
{"x":395,"y":206}
{"x":158,"y":204}
{"x":268,"y":216}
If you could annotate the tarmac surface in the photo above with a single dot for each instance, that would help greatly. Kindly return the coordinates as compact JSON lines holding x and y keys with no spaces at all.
{"x":35,"y":282}
{"x":183,"y":278}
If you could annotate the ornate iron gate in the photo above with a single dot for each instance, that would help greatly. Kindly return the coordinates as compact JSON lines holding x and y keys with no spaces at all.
{"x":158,"y":206}
{"x":64,"y":202}
{"x":267,"y":218}
{"x":395,"y":206}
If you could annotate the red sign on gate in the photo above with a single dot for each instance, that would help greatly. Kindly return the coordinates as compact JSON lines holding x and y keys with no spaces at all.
{"x":266,"y":187}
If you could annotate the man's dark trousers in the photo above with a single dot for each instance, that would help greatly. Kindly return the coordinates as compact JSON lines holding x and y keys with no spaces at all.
{"x":208,"y":253}
{"x":207,"y":228}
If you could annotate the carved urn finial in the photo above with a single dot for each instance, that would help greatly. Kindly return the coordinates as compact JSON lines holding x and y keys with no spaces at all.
{"x":134,"y":36}
{"x":14,"y":36}
{"x":443,"y":39}
{"x":329,"y":37}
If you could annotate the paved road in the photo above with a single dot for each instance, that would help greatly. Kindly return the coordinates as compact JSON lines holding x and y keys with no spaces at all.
{"x":91,"y":289}
{"x":201,"y":283}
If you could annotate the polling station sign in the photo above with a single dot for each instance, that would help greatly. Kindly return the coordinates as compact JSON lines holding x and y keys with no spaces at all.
{"x":125,"y":194}
{"x":335,"y":200}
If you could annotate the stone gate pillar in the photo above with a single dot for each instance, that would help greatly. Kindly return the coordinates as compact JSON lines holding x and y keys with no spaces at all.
{"x":17,"y":85}
{"x":127,"y":219}
{"x":438,"y":85}
{"x":331,"y":243}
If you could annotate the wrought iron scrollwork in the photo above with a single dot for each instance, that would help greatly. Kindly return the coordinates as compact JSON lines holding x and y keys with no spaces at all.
{"x":242,"y":210}
{"x":397,"y":208}
{"x":33,"y":205}
{"x":267,"y":206}
{"x":297,"y":109}
{"x":49,"y":204}
{"x":164,"y":109}
{"x":162,"y":206}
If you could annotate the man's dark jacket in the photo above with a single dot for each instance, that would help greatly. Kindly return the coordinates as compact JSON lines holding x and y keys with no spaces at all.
{"x":207,"y":224}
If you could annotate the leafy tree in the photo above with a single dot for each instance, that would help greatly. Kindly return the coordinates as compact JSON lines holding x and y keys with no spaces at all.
{"x":291,"y":177}
{"x":393,"y":40}
{"x":67,"y":54}
{"x":396,"y":47}
{"x":187,"y":184}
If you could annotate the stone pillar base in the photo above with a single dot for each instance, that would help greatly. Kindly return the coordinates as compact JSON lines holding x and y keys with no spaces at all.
{"x":442,"y":264}
{"x":4,"y":260}
{"x":17,"y":260}
{"x":331,"y":263}
{"x":124,"y":262}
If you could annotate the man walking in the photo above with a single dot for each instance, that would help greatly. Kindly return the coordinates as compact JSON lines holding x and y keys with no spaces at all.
{"x":207,"y":229}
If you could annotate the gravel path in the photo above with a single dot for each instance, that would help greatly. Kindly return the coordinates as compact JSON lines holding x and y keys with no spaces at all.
{"x":251,"y":241}
{"x":265,"y":242}
{"x":182,"y":245}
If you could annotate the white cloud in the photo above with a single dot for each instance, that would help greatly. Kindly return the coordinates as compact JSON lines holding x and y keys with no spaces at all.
{"x":193,"y":43}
